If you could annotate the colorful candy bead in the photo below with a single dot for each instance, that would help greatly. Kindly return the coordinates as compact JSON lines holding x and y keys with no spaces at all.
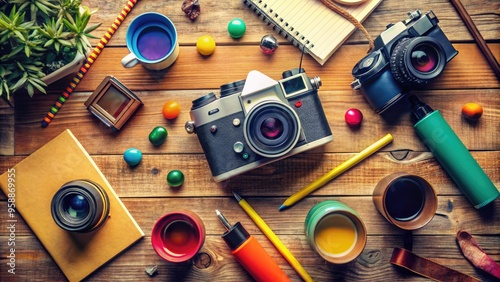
{"x":132,"y":156}
{"x":171,"y":110}
{"x":158,"y":135}
{"x":205,"y":45}
{"x":472,"y":111}
{"x":236,"y":28}
{"x":353,"y":117}
{"x":175,"y":178}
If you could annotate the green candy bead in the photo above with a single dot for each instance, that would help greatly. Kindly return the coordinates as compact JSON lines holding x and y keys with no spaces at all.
{"x":236,"y":28}
{"x":158,"y":135}
{"x":175,"y":178}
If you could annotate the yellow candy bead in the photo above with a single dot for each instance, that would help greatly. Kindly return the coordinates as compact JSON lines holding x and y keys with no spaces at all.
{"x":205,"y":45}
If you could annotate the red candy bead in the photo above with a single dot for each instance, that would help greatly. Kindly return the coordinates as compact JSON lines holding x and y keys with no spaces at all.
{"x":353,"y":117}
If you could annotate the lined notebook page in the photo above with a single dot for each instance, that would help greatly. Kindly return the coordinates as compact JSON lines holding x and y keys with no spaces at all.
{"x":311,"y":24}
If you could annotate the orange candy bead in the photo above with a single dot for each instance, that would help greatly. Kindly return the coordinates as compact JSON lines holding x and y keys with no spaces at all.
{"x":171,"y":110}
{"x":472,"y":111}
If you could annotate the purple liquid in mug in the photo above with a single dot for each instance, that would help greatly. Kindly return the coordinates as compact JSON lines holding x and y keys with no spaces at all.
{"x":154,"y":43}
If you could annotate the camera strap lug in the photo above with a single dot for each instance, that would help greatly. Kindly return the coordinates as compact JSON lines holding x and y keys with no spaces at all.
{"x":356,"y":84}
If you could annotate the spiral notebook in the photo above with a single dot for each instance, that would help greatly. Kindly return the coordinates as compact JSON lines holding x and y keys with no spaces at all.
{"x":311,"y":25}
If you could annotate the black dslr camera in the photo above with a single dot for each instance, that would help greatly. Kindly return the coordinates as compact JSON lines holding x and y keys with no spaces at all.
{"x":259,"y":120}
{"x":406,"y":55}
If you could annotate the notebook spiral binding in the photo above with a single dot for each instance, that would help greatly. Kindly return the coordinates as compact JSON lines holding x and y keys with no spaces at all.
{"x":283,"y":28}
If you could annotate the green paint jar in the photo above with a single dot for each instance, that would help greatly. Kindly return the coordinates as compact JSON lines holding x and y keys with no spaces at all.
{"x":335,"y":231}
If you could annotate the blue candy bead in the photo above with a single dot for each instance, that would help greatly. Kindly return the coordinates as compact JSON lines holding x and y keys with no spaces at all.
{"x":132,"y":156}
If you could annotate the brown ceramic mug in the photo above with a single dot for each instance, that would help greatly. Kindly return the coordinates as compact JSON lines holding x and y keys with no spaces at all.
{"x":405,"y":200}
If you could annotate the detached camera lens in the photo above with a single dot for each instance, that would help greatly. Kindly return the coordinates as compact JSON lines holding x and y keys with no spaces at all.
{"x":80,"y":206}
{"x":272,"y":129}
{"x":76,"y":206}
{"x":417,"y":60}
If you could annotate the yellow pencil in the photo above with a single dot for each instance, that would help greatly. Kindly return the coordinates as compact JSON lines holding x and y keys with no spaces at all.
{"x":273,"y":238}
{"x":336,"y":171}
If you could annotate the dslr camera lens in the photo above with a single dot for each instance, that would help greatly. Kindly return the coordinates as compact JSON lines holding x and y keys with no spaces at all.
{"x":417,"y":60}
{"x":80,"y":206}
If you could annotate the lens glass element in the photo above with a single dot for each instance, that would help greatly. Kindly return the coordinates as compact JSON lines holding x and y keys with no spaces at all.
{"x":424,"y":58}
{"x":272,"y":128}
{"x":76,"y":206}
{"x":415,"y":61}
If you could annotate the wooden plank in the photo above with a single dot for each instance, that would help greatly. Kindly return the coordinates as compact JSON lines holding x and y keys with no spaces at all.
{"x":144,"y":191}
{"x":284,"y":177}
{"x":216,"y":15}
{"x":97,"y":138}
{"x":468,"y":70}
{"x":6,"y":129}
{"x":454,"y":213}
{"x":216,"y":263}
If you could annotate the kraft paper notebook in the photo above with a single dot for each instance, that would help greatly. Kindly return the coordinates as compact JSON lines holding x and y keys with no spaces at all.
{"x":38,"y":177}
{"x":311,"y":25}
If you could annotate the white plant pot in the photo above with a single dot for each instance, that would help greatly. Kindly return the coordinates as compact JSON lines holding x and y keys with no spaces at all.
{"x":70,"y":68}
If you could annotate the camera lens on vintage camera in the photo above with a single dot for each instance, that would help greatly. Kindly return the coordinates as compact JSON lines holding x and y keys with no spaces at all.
{"x":272,"y":129}
{"x":417,"y":60}
{"x":408,"y":54}
{"x":80,"y":206}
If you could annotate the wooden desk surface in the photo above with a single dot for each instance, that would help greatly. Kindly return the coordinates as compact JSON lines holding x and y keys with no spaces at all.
{"x":144,"y":191}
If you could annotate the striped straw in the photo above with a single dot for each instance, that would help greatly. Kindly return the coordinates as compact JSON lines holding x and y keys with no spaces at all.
{"x":88,"y":63}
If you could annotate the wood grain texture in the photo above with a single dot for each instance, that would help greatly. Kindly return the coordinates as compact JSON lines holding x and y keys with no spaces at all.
{"x":372,"y":265}
{"x":451,"y":216}
{"x":144,"y":191}
{"x":283,"y":177}
{"x":216,"y":15}
{"x":469,"y":70}
{"x":95,"y":136}
{"x":6,"y":129}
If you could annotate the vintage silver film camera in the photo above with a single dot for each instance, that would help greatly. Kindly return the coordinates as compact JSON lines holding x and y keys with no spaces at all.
{"x":259,"y":120}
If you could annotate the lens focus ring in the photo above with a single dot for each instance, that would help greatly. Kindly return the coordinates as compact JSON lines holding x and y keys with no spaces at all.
{"x":415,"y":61}
{"x":272,"y":129}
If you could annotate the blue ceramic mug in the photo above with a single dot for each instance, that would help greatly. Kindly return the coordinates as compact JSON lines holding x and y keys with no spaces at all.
{"x":152,"y":41}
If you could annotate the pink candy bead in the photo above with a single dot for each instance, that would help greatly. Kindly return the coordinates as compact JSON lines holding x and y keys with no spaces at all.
{"x":353,"y":117}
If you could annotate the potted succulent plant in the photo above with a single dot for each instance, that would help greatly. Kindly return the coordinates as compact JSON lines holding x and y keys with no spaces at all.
{"x":37,"y":38}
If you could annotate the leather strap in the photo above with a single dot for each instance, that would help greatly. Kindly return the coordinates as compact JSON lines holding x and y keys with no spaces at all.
{"x":476,"y":255}
{"x":427,"y":268}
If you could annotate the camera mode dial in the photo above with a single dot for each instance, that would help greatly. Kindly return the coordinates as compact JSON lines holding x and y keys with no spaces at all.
{"x":292,"y":72}
{"x":203,"y":101}
{"x":231,"y":88}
